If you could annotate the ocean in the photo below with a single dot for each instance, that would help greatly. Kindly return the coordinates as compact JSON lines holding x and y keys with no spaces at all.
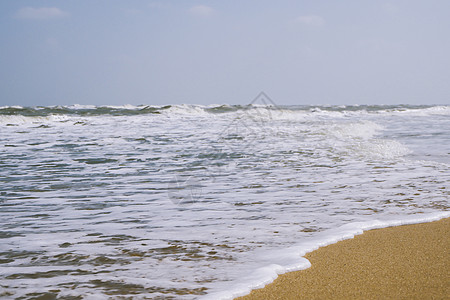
{"x":203,"y":202}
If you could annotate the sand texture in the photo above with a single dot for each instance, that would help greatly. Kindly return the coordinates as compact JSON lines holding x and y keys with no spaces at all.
{"x":404,"y":262}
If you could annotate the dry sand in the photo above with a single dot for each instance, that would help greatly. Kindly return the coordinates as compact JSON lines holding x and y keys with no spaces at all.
{"x":404,"y":262}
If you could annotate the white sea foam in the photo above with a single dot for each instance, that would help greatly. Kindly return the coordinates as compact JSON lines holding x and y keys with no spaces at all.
{"x":185,"y":109}
{"x":427,"y":111}
{"x":108,"y":193}
{"x":12,"y":106}
{"x":78,"y":106}
{"x":382,"y":149}
{"x":291,"y":259}
{"x":24,"y":120}
{"x":363,"y":130}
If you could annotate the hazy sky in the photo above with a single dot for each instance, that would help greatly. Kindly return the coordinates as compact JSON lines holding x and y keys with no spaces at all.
{"x":204,"y":52}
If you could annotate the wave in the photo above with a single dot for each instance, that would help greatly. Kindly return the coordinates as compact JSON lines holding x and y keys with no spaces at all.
{"x":11,"y":120}
{"x":311,"y":168}
{"x":125,"y":110}
{"x":81,"y":110}
{"x":292,"y":258}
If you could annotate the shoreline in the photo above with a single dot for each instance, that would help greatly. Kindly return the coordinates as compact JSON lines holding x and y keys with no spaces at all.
{"x":405,"y":261}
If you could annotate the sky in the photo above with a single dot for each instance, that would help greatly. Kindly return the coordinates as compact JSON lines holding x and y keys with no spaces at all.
{"x":304,"y":52}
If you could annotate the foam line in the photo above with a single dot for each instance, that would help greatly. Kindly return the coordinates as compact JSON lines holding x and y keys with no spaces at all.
{"x":292,"y":259}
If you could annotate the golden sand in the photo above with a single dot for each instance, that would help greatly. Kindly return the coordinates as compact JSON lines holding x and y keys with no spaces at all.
{"x":404,"y":262}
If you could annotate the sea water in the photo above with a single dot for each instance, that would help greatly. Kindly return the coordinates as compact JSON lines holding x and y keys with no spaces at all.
{"x":189,"y":201}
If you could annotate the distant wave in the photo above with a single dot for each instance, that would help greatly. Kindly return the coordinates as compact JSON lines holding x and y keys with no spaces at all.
{"x":126,"y":110}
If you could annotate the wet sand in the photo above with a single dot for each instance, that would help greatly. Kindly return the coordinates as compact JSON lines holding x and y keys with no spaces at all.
{"x":404,"y":262}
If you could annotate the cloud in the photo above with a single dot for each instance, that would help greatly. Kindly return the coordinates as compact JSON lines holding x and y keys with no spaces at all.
{"x":201,"y":10}
{"x":42,"y":13}
{"x":310,"y":20}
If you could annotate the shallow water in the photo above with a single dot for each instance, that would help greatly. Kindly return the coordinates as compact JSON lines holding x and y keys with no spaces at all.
{"x":184,"y":201}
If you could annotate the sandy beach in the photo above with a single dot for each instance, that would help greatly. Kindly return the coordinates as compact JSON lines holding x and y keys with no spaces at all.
{"x":404,"y":262}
